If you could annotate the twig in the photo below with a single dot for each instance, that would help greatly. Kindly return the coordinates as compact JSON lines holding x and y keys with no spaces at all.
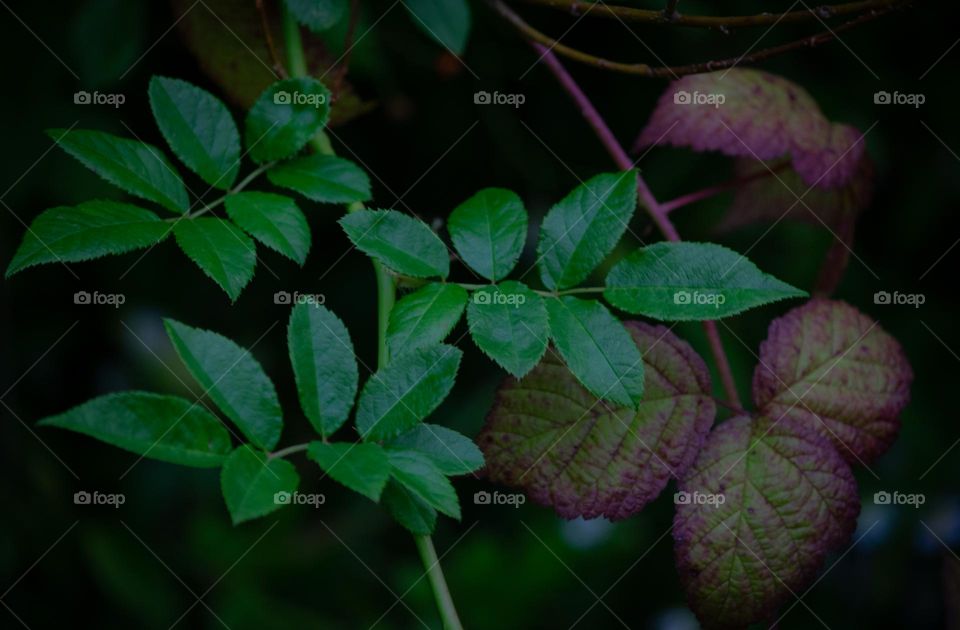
{"x":655,"y":210}
{"x":670,"y":16}
{"x":645,"y":70}
{"x":706,"y":193}
{"x":347,"y":47}
{"x":265,"y":24}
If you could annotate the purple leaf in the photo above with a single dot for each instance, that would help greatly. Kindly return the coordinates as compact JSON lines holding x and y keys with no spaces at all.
{"x":750,"y":113}
{"x":758,"y":511}
{"x":770,"y":197}
{"x":832,"y":367}
{"x":548,"y":435}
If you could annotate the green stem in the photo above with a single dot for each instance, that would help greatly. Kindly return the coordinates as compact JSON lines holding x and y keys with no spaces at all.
{"x":290,"y":450}
{"x":441,"y":593}
{"x":417,"y":282}
{"x":386,"y":296}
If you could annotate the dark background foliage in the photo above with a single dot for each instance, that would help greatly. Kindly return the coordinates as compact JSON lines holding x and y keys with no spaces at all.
{"x":428,"y":147}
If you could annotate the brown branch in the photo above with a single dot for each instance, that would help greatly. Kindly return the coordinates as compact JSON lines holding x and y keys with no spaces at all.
{"x":344,"y":64}
{"x":265,"y":24}
{"x":645,"y":70}
{"x":670,"y":16}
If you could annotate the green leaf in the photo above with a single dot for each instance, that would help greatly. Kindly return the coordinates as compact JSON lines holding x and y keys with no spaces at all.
{"x":199,"y":129}
{"x":167,"y":428}
{"x":687,"y":281}
{"x":554,"y":439}
{"x":233,"y":379}
{"x":285,"y":117}
{"x":451,"y":452}
{"x":324,"y":365}
{"x":220,"y":249}
{"x":509,"y":323}
{"x":90,"y":230}
{"x":597,"y":349}
{"x":136,"y":167}
{"x":584,"y":227}
{"x":274,"y":220}
{"x":411,"y":512}
{"x":489,"y":231}
{"x":322,"y":178}
{"x":446,"y":21}
{"x":406,"y":391}
{"x":363,"y":468}
{"x":420,"y":476}
{"x":404,"y":244}
{"x":317,"y":15}
{"x":425,"y":317}
{"x":254,"y":485}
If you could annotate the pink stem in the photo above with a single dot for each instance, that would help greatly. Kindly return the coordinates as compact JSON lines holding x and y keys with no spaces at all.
{"x":706,"y":193}
{"x":656,"y":211}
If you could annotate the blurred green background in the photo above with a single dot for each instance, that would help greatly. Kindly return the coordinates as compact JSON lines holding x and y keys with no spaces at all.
{"x":427,"y":148}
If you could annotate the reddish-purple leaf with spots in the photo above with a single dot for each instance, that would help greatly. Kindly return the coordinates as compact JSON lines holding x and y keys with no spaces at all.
{"x":832,"y":367}
{"x":548,"y":435}
{"x":750,"y":113}
{"x":757,"y":512}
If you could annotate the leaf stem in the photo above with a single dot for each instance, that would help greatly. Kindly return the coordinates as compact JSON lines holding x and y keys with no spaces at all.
{"x":623,"y":161}
{"x":386,"y":296}
{"x":290,"y":450}
{"x":706,"y":193}
{"x":440,"y":591}
{"x":243,"y":183}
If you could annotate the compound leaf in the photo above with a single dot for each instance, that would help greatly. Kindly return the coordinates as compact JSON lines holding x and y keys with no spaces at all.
{"x":597,"y":349}
{"x":220,"y":249}
{"x":425,"y":317}
{"x":489,"y":230}
{"x":167,"y":428}
{"x":90,"y":230}
{"x":550,"y":436}
{"x":199,"y":129}
{"x":509,"y":323}
{"x":406,"y":391}
{"x":233,"y":379}
{"x":324,"y":365}
{"x":691,"y":281}
{"x":136,"y":167}
{"x":404,"y":244}
{"x":254,"y":484}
